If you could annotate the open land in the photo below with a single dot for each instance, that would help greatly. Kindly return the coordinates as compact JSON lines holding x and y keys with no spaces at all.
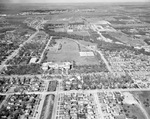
{"x":144,"y":98}
{"x":69,"y":51}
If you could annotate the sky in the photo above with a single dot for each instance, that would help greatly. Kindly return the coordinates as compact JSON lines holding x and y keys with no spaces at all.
{"x":68,"y":1}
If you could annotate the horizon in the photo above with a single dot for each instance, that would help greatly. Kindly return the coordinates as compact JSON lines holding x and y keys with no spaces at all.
{"x":73,"y":1}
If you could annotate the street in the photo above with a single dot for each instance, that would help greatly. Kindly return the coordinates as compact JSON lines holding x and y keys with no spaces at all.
{"x":17,"y":50}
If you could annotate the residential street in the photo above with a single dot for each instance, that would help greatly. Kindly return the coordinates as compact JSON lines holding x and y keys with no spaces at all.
{"x":81,"y":91}
{"x":17,"y":50}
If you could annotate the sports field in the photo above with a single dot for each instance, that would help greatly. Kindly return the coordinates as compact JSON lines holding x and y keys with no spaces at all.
{"x":67,"y":50}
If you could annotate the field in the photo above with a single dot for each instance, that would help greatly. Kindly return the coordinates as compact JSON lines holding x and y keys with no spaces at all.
{"x":81,"y":33}
{"x":110,"y":37}
{"x":67,"y":50}
{"x":144,"y":98}
{"x":87,"y":43}
{"x":125,"y":39}
{"x":132,"y":111}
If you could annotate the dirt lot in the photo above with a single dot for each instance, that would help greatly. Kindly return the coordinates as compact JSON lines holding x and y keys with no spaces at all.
{"x":67,"y":50}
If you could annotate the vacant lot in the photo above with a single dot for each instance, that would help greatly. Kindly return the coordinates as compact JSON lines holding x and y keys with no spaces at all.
{"x":125,"y":39}
{"x":144,"y":97}
{"x":132,"y":111}
{"x":67,"y":50}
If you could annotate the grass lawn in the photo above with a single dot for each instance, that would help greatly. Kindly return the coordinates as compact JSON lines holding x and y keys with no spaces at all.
{"x":47,"y":107}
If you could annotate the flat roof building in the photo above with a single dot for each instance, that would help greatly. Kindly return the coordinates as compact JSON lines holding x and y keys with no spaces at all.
{"x":33,"y":60}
